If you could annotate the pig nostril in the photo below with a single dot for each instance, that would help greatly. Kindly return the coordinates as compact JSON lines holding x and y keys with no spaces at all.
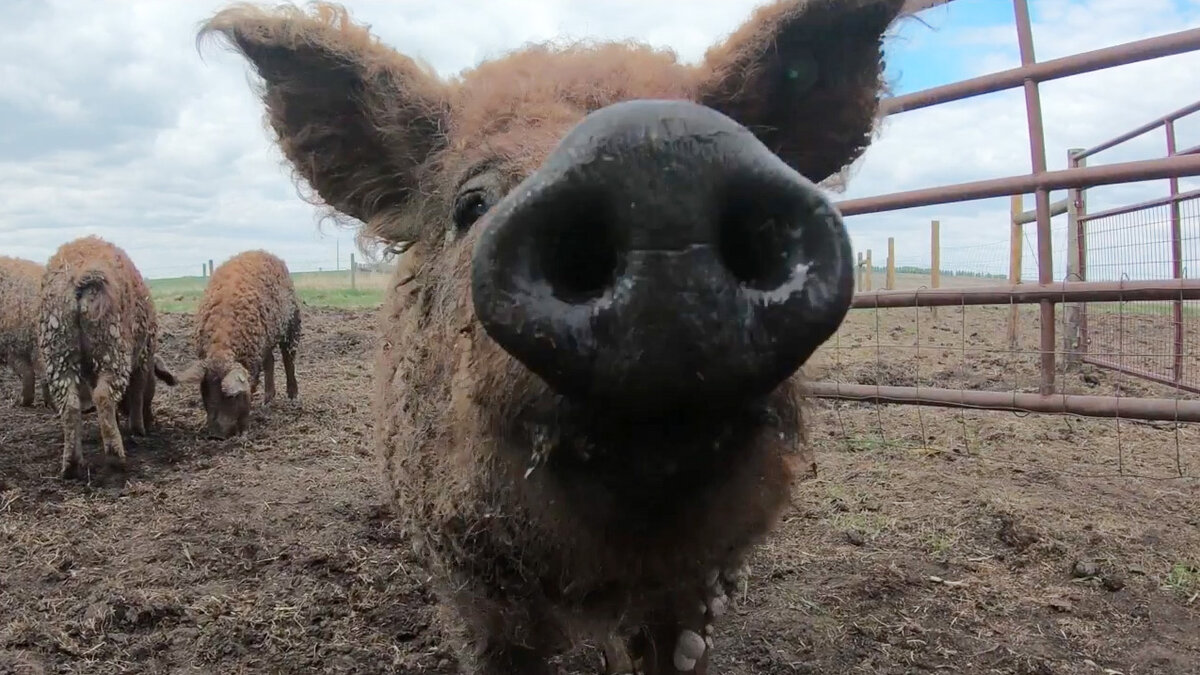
{"x":759,"y":244}
{"x":577,"y":249}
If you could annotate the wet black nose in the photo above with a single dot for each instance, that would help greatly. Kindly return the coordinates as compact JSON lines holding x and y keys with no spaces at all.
{"x":662,"y":255}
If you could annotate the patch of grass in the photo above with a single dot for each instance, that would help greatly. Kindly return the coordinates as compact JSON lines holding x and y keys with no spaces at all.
{"x":868,"y":524}
{"x":1183,"y":579}
{"x":316,"y":289}
{"x":181,"y":302}
{"x":836,"y":492}
{"x":344,"y":298}
{"x":872,"y":444}
{"x":940,"y":543}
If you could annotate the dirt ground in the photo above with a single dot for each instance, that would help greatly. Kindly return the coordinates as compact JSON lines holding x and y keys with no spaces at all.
{"x":930,"y":541}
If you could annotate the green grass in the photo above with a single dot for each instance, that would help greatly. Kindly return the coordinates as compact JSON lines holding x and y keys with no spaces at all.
{"x":315,"y":289}
{"x":940,"y":543}
{"x":1184,"y":579}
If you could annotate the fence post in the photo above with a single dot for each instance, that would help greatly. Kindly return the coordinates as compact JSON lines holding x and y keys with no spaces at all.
{"x":1176,"y":262}
{"x":890,"y":279}
{"x":935,"y":258}
{"x":1015,"y":248}
{"x":858,"y":272}
{"x":353,"y":272}
{"x":1074,"y":339}
{"x":870,"y":271}
{"x":210,"y":267}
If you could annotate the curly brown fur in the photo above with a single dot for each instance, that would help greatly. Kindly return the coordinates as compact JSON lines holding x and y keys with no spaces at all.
{"x":98,"y":338}
{"x":641,"y":515}
{"x":19,"y":283}
{"x":249,"y":308}
{"x":547,"y":523}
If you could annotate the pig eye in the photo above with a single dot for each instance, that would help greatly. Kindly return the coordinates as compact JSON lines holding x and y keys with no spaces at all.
{"x":470,"y":207}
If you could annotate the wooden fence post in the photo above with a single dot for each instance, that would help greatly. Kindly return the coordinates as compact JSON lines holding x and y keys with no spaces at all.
{"x":870,"y":271}
{"x":890,"y":279}
{"x":353,"y":272}
{"x":1073,"y":313}
{"x":210,"y":267}
{"x":858,"y":276}
{"x":1016,"y":231}
{"x":935,"y":258}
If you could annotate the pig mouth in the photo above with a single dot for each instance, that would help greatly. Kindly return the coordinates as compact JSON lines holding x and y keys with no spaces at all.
{"x":636,"y":454}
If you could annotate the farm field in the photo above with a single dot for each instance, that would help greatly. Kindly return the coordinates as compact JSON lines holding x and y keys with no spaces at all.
{"x":929,"y":540}
{"x":324,"y":289}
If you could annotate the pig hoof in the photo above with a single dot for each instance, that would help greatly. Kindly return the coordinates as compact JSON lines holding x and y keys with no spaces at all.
{"x":69,"y":470}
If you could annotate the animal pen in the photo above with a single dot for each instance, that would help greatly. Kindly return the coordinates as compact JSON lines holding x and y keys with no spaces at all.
{"x":1128,"y":318}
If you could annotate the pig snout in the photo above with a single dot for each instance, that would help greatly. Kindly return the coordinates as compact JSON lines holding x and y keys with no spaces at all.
{"x":662,"y":255}
{"x":220,"y":430}
{"x":224,"y":424}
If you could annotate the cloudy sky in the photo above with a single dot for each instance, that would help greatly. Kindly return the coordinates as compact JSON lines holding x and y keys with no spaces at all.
{"x":111,"y":123}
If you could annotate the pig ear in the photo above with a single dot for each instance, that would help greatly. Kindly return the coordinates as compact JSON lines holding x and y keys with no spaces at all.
{"x":236,"y":381}
{"x":805,"y":77}
{"x":355,"y":118}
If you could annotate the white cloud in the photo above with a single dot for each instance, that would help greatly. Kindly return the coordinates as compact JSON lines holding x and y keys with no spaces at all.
{"x":112,"y":123}
{"x":986,"y":137}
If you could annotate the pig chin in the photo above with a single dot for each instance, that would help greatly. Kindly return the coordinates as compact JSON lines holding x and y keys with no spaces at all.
{"x":633,"y":447}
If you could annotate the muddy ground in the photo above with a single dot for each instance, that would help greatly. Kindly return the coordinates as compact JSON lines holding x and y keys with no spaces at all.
{"x":930,"y":541}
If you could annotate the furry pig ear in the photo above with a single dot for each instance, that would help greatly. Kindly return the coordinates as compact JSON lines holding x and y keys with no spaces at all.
{"x":236,"y":381}
{"x":805,"y":77}
{"x":355,"y":118}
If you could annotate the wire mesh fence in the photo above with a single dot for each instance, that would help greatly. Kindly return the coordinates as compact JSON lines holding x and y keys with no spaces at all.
{"x":966,"y":264}
{"x":1156,"y":340}
{"x":967,"y":348}
{"x":997,"y":349}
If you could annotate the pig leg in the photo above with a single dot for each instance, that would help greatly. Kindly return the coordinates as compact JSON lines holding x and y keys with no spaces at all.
{"x":147,"y":398}
{"x":288,"y":351}
{"x":617,"y":660}
{"x":24,"y":371}
{"x":134,"y":408}
{"x":69,"y":415}
{"x":503,"y":639}
{"x":106,"y":399}
{"x":65,"y":389}
{"x":268,"y":370}
{"x":670,"y":646}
